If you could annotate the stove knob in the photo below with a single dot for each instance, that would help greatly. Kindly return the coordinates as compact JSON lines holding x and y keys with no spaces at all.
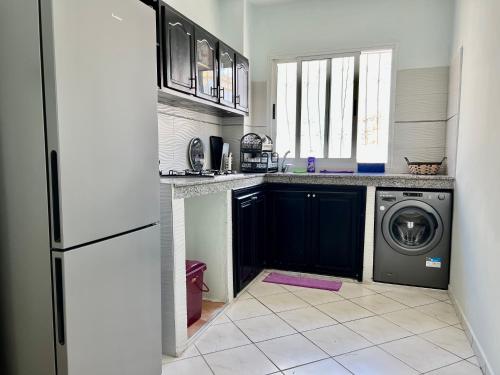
{"x":441,"y":197}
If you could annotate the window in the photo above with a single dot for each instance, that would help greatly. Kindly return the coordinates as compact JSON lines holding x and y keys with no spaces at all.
{"x":335,"y":107}
{"x":312,"y":119}
{"x":286,"y":107}
{"x":374,"y":106}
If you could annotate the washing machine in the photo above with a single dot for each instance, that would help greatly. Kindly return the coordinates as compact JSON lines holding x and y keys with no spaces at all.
{"x":412,"y":237}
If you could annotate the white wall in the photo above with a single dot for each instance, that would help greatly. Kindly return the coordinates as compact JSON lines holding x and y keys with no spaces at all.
{"x":223,"y":18}
{"x":176,"y":128}
{"x":421,"y":29}
{"x":419,"y":127}
{"x":206,"y":241}
{"x":205,"y":12}
{"x":475,"y":278}
{"x":453,"y":115}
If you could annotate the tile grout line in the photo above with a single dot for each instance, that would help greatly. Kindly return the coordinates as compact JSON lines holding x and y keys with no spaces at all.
{"x":442,"y":367}
{"x":208,"y":364}
{"x":418,"y":335}
{"x":300,"y":333}
{"x":392,"y":355}
{"x":439,"y":346}
{"x":310,"y":305}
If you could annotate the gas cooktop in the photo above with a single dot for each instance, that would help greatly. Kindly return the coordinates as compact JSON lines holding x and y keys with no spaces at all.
{"x":194,"y":173}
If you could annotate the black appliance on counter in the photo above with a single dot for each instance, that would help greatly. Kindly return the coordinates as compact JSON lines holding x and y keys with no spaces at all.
{"x":256,"y":154}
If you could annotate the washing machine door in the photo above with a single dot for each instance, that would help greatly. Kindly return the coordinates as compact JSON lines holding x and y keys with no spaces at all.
{"x":412,"y":227}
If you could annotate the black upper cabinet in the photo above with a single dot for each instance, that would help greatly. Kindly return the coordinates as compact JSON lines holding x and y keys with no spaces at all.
{"x":227,"y":65}
{"x":193,"y":61}
{"x":178,"y":53}
{"x":242,"y":80}
{"x":206,"y":65}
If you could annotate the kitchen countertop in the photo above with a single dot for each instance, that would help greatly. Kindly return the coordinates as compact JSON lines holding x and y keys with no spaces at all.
{"x":193,"y":186}
{"x":186,"y":187}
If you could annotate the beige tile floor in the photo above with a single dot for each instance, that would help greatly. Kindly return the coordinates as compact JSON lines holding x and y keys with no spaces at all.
{"x":364,"y":329}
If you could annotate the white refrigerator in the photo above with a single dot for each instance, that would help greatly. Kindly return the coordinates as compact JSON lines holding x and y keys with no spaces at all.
{"x":94,"y":69}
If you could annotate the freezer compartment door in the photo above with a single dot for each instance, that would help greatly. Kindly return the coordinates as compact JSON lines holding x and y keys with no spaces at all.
{"x":107,"y":306}
{"x":101,"y":115}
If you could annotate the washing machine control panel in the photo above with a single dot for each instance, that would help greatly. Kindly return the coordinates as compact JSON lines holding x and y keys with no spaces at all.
{"x":388,"y":198}
{"x":413,"y":194}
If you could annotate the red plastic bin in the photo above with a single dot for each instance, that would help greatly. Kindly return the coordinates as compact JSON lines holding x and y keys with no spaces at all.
{"x":194,"y":289}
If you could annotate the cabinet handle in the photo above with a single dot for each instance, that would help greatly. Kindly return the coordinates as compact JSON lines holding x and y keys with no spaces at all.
{"x":308,"y":195}
{"x":54,"y":180}
{"x":254,"y":198}
{"x":59,"y":299}
{"x":213,"y":92}
{"x":314,"y":195}
{"x":193,"y":82}
{"x":237,"y":99}
{"x":221,"y":93}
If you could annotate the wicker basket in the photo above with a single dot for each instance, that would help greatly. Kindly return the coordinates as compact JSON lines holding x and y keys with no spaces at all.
{"x":429,"y":168}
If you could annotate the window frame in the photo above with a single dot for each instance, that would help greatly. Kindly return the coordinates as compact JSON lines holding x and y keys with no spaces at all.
{"x":356,"y":53}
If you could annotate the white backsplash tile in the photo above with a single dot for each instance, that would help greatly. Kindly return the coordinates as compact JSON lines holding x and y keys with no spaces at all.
{"x":177,"y":126}
{"x":419,"y":128}
{"x":422,"y":81}
{"x":421,"y":107}
{"x":419,"y":134}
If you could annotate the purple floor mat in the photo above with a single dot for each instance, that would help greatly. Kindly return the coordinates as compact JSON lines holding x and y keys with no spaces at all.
{"x":306,"y":282}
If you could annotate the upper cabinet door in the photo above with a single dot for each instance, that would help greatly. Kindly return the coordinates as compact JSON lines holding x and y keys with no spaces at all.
{"x":206,"y":65}
{"x":178,"y":64}
{"x":227,"y":66}
{"x":242,"y":76}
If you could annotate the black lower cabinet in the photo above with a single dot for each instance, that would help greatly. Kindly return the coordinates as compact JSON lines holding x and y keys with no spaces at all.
{"x":304,"y":228}
{"x":337,"y":232}
{"x":249,"y":235}
{"x":289,"y":239}
{"x":317,"y":229}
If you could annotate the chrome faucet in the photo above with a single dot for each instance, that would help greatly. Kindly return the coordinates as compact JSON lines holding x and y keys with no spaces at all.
{"x":283,"y":165}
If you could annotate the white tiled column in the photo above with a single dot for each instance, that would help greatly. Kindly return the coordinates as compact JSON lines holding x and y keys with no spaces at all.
{"x":229,"y":245}
{"x":173,"y":278}
{"x":369,"y":234}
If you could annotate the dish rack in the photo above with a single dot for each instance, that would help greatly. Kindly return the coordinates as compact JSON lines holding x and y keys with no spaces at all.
{"x":424,"y":167}
{"x":256,"y":154}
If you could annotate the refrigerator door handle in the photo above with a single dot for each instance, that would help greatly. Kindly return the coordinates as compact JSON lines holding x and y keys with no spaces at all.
{"x":59,"y":300}
{"x":54,"y":182}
